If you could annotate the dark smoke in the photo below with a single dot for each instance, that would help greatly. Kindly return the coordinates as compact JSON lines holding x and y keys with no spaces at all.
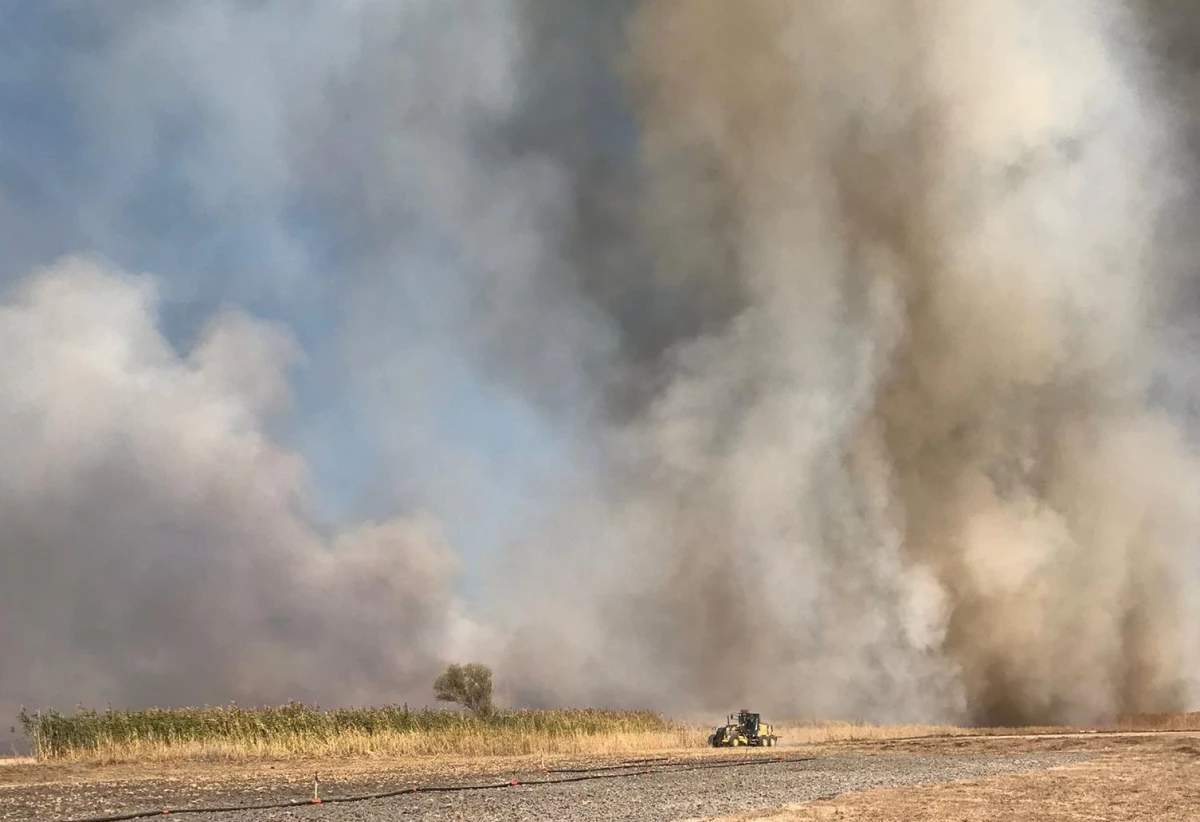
{"x":862,"y":330}
{"x":913,"y":469}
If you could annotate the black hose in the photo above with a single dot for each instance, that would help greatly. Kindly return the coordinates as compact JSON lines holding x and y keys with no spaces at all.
{"x":631,"y":763}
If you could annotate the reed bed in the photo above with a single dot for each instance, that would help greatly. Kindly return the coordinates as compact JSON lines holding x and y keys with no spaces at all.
{"x":296,"y":730}
{"x":817,"y":732}
{"x":821,"y":731}
{"x":1189,"y":721}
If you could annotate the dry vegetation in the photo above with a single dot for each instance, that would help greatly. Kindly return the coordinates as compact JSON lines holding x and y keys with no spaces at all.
{"x":296,"y":730}
{"x":821,"y":732}
{"x":299,"y":731}
{"x":1159,"y":722}
{"x":818,"y":732}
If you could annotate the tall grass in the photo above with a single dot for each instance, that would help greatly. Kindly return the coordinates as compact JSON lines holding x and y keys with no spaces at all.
{"x":1189,"y":721}
{"x":821,"y":731}
{"x":297,"y":730}
{"x":817,"y":732}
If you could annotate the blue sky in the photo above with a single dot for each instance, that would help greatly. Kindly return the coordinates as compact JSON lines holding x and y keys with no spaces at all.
{"x":171,"y":139}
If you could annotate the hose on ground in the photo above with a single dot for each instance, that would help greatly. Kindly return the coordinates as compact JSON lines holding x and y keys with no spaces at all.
{"x":637,"y":768}
{"x":629,"y":763}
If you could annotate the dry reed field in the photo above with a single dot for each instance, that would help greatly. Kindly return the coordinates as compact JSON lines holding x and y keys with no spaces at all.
{"x":299,"y":731}
{"x":819,"y":732}
{"x":1159,"y":722}
{"x":295,"y":730}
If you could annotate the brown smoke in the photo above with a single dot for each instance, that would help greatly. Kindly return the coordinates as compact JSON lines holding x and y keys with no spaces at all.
{"x":839,"y":374}
{"x":915,"y":471}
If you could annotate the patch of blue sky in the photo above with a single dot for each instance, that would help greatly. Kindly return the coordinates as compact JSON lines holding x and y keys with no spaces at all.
{"x":166,"y":203}
{"x":41,"y":156}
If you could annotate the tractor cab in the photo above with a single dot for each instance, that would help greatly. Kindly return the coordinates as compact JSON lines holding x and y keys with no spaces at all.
{"x":748,"y":722}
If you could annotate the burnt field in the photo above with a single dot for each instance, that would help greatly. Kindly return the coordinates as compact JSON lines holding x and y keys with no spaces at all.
{"x":1130,"y":775}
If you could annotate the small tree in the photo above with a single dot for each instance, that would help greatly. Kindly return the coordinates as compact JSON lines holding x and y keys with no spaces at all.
{"x":468,"y":685}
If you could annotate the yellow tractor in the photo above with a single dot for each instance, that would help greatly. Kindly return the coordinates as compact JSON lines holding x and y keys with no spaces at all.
{"x":744,"y":730}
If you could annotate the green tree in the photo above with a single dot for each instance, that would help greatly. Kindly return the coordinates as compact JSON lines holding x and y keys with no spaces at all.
{"x":468,"y":685}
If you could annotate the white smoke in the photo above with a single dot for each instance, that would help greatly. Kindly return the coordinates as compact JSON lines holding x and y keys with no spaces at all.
{"x":847,"y":329}
{"x":915,"y":472}
{"x":156,"y":539}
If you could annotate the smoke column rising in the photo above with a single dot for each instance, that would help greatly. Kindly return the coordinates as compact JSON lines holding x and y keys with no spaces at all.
{"x":847,"y":317}
{"x":158,"y":533}
{"x":915,"y":474}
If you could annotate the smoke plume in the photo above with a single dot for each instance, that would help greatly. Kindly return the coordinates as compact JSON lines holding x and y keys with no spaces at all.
{"x":154,"y":537}
{"x":907,"y":465}
{"x":844,"y":349}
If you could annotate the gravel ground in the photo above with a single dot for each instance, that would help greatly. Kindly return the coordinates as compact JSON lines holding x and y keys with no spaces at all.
{"x":660,"y":797}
